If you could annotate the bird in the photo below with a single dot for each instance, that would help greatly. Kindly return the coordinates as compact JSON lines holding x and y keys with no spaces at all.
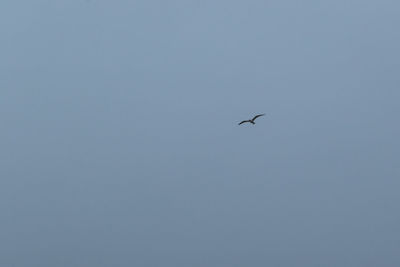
{"x":252,"y":120}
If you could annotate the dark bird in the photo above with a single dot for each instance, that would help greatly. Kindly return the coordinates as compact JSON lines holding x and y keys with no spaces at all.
{"x":252,"y":120}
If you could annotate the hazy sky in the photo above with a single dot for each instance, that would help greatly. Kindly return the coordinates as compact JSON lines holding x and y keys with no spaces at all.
{"x":120,"y":144}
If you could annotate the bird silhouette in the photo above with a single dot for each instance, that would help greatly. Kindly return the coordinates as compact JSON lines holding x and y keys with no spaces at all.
{"x":252,"y":120}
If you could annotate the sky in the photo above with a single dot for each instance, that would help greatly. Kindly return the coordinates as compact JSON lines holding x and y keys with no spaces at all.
{"x":120,"y":144}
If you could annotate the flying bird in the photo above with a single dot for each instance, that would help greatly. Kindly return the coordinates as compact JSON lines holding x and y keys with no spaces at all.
{"x":252,"y":120}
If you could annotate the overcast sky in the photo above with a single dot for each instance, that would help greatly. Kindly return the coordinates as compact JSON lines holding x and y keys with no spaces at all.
{"x":120,"y":145}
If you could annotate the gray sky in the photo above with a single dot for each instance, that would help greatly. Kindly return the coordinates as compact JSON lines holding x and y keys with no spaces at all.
{"x":120,"y":144}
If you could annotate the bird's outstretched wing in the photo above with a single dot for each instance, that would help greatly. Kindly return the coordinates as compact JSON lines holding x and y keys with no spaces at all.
{"x":243,"y":122}
{"x":259,"y":115}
